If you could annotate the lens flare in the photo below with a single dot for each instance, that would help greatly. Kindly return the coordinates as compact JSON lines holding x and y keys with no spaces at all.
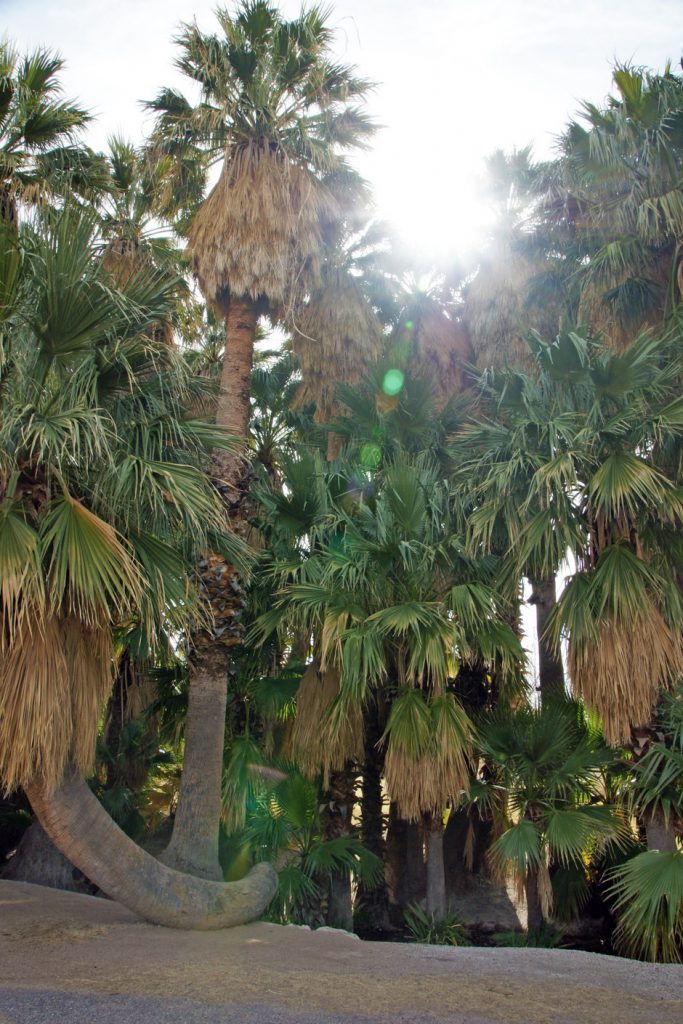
{"x":370,"y":455}
{"x":393,"y":382}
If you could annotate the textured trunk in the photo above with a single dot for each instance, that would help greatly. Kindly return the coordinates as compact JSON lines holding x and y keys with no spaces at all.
{"x":534,"y":921}
{"x":37,"y":860}
{"x":80,"y":827}
{"x":436,"y":875}
{"x":233,"y":408}
{"x":660,"y":834}
{"x":337,"y":822}
{"x":550,"y":671}
{"x":339,"y":902}
{"x":406,"y":869}
{"x":194,"y":844}
{"x":374,"y":901}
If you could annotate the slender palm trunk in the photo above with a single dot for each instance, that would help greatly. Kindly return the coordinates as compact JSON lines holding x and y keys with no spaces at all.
{"x":374,"y":900}
{"x":79,"y":826}
{"x":337,"y":822}
{"x":194,"y":844}
{"x":436,"y":874}
{"x":550,"y":670}
{"x":533,"y":901}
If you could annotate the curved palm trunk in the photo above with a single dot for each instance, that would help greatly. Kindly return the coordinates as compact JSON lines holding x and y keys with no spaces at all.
{"x":79,"y":826}
{"x":194,"y":843}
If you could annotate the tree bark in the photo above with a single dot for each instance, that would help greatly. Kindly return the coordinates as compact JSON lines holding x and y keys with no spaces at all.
{"x":38,"y":861}
{"x":337,"y":822}
{"x":436,"y":875}
{"x":660,"y":835}
{"x":79,"y":826}
{"x":550,"y":670}
{"x":194,"y":843}
{"x":406,"y":869}
{"x":233,"y":408}
{"x":533,"y":901}
{"x":374,"y":900}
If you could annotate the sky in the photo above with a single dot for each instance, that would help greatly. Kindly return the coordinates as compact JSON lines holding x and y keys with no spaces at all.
{"x":456,"y":79}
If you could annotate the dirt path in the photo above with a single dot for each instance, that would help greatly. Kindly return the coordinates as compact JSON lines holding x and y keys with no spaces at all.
{"x":60,"y":954}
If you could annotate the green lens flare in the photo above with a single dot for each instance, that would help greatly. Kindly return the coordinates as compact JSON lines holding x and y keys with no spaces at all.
{"x":370,"y":456}
{"x":393,"y":382}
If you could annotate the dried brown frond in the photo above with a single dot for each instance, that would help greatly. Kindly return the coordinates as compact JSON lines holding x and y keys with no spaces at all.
{"x":326,"y":734}
{"x":258,"y":227}
{"x":336,"y":336}
{"x":53,"y":679}
{"x":426,"y":784}
{"x":123,"y":258}
{"x":622,"y":675}
{"x":440,"y":350}
{"x":496,"y":315}
{"x":89,"y":658}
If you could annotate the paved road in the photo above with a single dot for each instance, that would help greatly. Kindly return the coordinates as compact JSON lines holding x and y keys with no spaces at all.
{"x":21,"y":1006}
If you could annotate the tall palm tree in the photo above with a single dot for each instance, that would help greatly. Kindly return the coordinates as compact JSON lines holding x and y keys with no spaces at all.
{"x":616,"y":188}
{"x":102,"y":500}
{"x":275,"y":115}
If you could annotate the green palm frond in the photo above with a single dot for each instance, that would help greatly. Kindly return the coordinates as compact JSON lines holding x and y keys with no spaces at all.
{"x":648,"y":897}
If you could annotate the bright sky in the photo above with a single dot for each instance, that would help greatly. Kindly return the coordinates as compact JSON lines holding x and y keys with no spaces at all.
{"x":457,"y":78}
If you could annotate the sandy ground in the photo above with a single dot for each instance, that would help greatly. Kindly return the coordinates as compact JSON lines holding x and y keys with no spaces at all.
{"x":96,"y":955}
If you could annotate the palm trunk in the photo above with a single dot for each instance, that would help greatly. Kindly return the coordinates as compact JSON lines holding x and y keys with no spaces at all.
{"x":337,"y":822}
{"x":79,"y":826}
{"x":533,"y":901}
{"x":233,"y":408}
{"x":406,"y":869}
{"x":550,"y":670}
{"x":660,"y":833}
{"x":436,"y":874}
{"x":194,"y":844}
{"x":374,"y":900}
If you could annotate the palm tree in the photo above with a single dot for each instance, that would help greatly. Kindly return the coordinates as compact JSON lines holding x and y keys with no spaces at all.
{"x":574,"y":458}
{"x":103,"y":500}
{"x":547,"y":767}
{"x":615,"y":190}
{"x":393,"y":603}
{"x":275,"y":114}
{"x":38,"y":130}
{"x":336,"y":332}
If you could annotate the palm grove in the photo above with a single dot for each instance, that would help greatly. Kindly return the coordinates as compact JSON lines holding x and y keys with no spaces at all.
{"x":261,"y":602}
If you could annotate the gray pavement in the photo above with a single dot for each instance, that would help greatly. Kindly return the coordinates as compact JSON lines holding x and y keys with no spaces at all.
{"x":25,"y":1006}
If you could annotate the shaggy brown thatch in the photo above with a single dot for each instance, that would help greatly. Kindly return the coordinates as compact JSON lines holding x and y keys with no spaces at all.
{"x":336,"y":336}
{"x":426,"y":783}
{"x":440,"y":350}
{"x":54,"y":679}
{"x":325,"y":735}
{"x":258,"y":227}
{"x":622,"y":675}
{"x":123,"y":259}
{"x":495,"y":316}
